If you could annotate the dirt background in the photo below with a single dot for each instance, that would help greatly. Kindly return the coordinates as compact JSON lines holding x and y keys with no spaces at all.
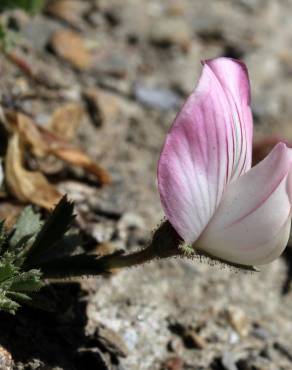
{"x":134,"y":64}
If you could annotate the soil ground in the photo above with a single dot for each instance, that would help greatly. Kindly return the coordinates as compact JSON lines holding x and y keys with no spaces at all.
{"x":144,"y":60}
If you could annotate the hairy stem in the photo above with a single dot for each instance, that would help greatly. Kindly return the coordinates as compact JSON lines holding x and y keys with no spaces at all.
{"x":165,"y":243}
{"x":128,"y":260}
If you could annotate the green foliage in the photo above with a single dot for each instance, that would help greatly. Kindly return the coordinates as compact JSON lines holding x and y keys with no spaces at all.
{"x":52,"y":232}
{"x":27,"y":226}
{"x":30,"y":242}
{"x":34,"y":251}
{"x":31,"y":6}
{"x":15,"y":284}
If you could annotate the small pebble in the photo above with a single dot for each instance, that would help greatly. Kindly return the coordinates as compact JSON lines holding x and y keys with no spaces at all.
{"x":156,"y":98}
{"x":228,"y":361}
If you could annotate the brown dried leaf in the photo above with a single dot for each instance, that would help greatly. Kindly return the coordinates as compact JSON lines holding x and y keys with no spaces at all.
{"x":43,"y":142}
{"x":74,"y":156}
{"x":66,"y":120}
{"x":9,"y":212}
{"x":70,"y":46}
{"x":27,"y":186}
{"x":77,"y":158}
{"x":28,"y":131}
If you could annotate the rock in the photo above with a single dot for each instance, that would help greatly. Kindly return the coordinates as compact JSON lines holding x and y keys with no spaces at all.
{"x":175,"y":345}
{"x":156,"y":98}
{"x":17,"y":19}
{"x":102,"y":232}
{"x":110,"y":341}
{"x":95,"y":19}
{"x":103,"y":107}
{"x":208,"y":29}
{"x":70,"y":46}
{"x":39,"y":31}
{"x":194,"y":340}
{"x":131,"y":229}
{"x":176,"y":8}
{"x":261,"y":333}
{"x":130,"y":220}
{"x":284,"y":350}
{"x":228,"y":361}
{"x":109,"y":203}
{"x":171,"y":31}
{"x":131,"y":338}
{"x":6,"y":362}
{"x":173,"y":363}
{"x":251,"y":5}
{"x":70,"y":11}
{"x":122,"y":87}
{"x":66,"y":120}
{"x":233,"y":337}
{"x":114,"y":64}
{"x":238,"y":320}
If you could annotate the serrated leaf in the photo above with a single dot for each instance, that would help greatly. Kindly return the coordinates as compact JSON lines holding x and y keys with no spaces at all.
{"x":52,"y":231}
{"x":19,"y":297}
{"x":27,"y":226}
{"x":7,"y":270}
{"x":16,"y":284}
{"x":66,"y":246}
{"x":7,"y":304}
{"x":29,"y":281}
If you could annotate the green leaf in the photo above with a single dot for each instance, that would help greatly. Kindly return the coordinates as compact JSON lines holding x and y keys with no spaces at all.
{"x":27,"y":226}
{"x":19,"y":297}
{"x":7,"y":269}
{"x":29,"y":241}
{"x":65,"y":246}
{"x":29,"y":281}
{"x":7,"y":304}
{"x":53,"y":230}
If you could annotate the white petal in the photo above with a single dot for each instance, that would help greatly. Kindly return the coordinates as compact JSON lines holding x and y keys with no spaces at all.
{"x":252,"y":223}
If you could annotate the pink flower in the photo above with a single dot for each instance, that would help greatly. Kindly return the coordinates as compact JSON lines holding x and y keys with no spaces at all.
{"x":209,"y":193}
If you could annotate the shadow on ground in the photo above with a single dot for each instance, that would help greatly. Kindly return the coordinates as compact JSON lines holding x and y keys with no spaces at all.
{"x":57,"y":338}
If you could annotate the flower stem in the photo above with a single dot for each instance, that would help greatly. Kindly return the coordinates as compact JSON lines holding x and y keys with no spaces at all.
{"x":164,"y":244}
{"x":128,"y":260}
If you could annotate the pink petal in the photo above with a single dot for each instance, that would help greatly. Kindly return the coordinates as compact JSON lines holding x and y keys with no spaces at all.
{"x":233,"y":76}
{"x":208,"y":145}
{"x":252,"y":223}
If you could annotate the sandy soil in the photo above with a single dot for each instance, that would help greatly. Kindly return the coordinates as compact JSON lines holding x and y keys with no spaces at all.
{"x":145,"y":59}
